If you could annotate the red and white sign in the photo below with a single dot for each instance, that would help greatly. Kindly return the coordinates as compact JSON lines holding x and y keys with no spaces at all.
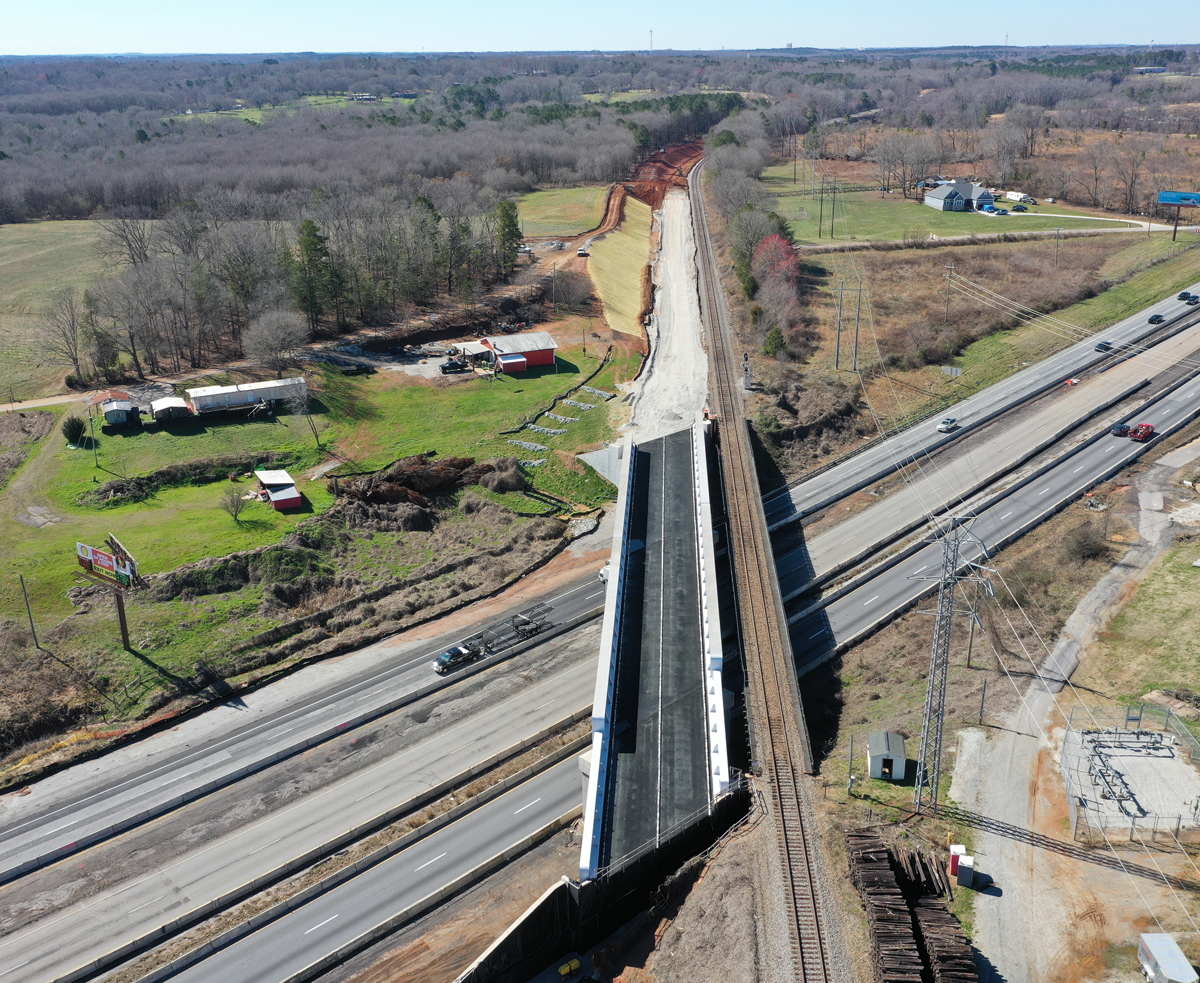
{"x":104,"y":565}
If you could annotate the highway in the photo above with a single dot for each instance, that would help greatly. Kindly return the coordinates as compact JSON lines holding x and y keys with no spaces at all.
{"x":877,"y":460}
{"x":817,"y":635}
{"x":130,"y":785}
{"x":74,"y":936}
{"x":281,"y":949}
{"x":959,"y":471}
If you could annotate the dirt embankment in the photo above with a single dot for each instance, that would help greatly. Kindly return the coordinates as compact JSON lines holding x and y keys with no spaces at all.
{"x":667,"y":169}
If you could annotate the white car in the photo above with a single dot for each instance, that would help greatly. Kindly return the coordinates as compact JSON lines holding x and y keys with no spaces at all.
{"x":1049,"y":201}
{"x":947,"y":425}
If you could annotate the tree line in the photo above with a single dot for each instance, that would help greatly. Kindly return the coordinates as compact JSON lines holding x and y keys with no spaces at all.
{"x":203,"y":284}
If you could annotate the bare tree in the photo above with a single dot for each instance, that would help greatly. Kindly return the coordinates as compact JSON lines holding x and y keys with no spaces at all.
{"x":126,"y":239}
{"x":1093,"y":165}
{"x":61,"y":336}
{"x":233,"y":502}
{"x":1128,"y":162}
{"x":274,"y":338}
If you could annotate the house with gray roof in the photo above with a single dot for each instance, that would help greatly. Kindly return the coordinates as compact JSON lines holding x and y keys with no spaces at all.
{"x":959,"y":196}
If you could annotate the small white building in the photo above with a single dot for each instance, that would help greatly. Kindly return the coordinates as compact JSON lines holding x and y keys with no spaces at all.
{"x":885,"y":756}
{"x":170,"y":408}
{"x":216,"y":399}
{"x":1162,"y":960}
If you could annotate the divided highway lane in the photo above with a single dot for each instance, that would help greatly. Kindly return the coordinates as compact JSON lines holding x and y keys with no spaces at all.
{"x":960,"y":472}
{"x":299,"y":939}
{"x":76,"y":936}
{"x":124,"y":788}
{"x":818,"y":635}
{"x":791,"y":504}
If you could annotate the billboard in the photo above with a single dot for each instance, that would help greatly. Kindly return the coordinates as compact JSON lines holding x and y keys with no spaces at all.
{"x":1186,"y":198}
{"x":104,"y":566}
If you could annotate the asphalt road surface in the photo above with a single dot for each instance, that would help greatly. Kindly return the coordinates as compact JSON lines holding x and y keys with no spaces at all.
{"x":303,"y":936}
{"x":959,"y":471}
{"x":885,"y":457}
{"x":81,"y":933}
{"x":660,"y":752}
{"x":123,"y":788}
{"x":817,"y":636}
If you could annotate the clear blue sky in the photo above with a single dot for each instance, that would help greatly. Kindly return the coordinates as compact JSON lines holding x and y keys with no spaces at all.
{"x":49,"y":27}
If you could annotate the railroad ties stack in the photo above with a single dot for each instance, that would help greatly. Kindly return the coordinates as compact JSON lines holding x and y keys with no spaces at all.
{"x":915,"y":937}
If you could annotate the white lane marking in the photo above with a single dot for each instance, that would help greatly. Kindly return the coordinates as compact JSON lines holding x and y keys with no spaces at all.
{"x":1078,"y":469}
{"x":545,"y":705}
{"x":1006,"y":515}
{"x":530,"y":806}
{"x":428,"y":862}
{"x":1110,"y":447}
{"x":326,"y":922}
{"x":15,"y":968}
{"x":919,"y":569}
{"x":147,"y":904}
{"x":875,"y":598}
{"x":370,"y":793}
{"x":460,"y":747}
{"x":821,"y":632}
{"x":1044,"y":490}
{"x":272,"y":843}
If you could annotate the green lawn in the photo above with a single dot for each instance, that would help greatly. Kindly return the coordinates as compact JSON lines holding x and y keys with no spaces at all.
{"x":872,"y":216}
{"x":633,"y":95}
{"x":37,"y":259}
{"x":562,"y":211}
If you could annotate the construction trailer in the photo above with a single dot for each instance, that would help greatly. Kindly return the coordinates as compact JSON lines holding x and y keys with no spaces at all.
{"x":886,"y":756}
{"x":246,"y":397}
{"x":1162,"y":960}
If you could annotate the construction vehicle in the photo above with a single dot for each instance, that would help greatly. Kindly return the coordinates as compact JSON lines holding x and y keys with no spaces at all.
{"x":1142,"y":432}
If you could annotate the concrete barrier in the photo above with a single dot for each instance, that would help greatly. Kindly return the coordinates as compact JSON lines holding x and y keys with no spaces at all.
{"x":309,"y":857}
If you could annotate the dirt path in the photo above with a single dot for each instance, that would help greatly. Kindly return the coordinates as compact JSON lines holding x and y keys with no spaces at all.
{"x":673,"y":387}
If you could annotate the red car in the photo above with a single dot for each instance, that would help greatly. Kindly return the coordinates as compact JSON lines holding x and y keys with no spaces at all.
{"x":1142,"y":432}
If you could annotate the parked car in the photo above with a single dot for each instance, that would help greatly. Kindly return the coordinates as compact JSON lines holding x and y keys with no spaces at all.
{"x":1157,"y":319}
{"x":990,"y":209}
{"x":1104,"y":346}
{"x":452,"y":365}
{"x":1142,"y":432}
{"x":1001,"y":211}
{"x":1048,"y":201}
{"x":1120,"y":430}
{"x":1019,"y":208}
{"x":947,"y":425}
{"x":460,"y":655}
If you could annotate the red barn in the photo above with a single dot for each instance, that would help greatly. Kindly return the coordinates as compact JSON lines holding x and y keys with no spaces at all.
{"x":515,"y":352}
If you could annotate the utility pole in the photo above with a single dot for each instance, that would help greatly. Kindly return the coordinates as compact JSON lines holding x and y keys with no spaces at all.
{"x":29,"y":611}
{"x":949,"y":278}
{"x":838,"y":348}
{"x":1057,"y":233}
{"x":92,"y":424}
{"x":929,"y":765}
{"x":850,"y":769}
{"x":821,"y":219}
{"x":857,"y":313}
{"x":833,"y":211}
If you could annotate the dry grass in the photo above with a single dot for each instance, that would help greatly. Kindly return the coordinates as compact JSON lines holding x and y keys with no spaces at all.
{"x":617,"y":266}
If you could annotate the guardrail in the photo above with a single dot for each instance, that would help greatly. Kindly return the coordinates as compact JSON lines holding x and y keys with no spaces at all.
{"x":606,"y":676}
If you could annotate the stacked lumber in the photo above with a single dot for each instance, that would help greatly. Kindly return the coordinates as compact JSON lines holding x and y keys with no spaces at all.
{"x":889,"y":920}
{"x":921,"y":874}
{"x":950,"y":954}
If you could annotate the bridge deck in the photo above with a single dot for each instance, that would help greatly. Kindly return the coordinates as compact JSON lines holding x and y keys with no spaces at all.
{"x":659,"y":746}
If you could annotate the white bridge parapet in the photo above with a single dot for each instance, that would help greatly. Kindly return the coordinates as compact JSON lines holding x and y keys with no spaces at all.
{"x":710,"y":615}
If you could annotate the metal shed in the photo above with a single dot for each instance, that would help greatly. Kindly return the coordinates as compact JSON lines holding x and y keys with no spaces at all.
{"x":279,"y":487}
{"x":215,"y":399}
{"x":117,"y":411}
{"x":885,"y":756}
{"x":170,"y":408}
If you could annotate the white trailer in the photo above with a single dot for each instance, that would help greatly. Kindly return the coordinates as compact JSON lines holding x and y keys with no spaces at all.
{"x":1163,"y":961}
{"x":1015,"y":195}
{"x":217,"y":399}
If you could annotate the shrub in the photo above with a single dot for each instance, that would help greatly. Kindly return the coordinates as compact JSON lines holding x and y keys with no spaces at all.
{"x":1085,"y":542}
{"x":73,"y":429}
{"x":774,"y":345}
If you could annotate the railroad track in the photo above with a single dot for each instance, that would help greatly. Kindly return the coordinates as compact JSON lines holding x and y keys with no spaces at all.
{"x":780,"y":735}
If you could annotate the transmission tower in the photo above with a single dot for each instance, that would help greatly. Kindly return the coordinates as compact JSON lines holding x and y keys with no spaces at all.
{"x":929,"y":765}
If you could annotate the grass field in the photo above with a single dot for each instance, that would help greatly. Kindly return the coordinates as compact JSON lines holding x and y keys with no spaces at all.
{"x":36,"y":260}
{"x":562,"y":211}
{"x":631,"y":96}
{"x":1151,"y":644}
{"x":616,"y":265}
{"x":868,"y":215}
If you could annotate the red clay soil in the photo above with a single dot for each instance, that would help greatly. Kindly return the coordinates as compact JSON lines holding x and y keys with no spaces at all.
{"x":666,"y":169}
